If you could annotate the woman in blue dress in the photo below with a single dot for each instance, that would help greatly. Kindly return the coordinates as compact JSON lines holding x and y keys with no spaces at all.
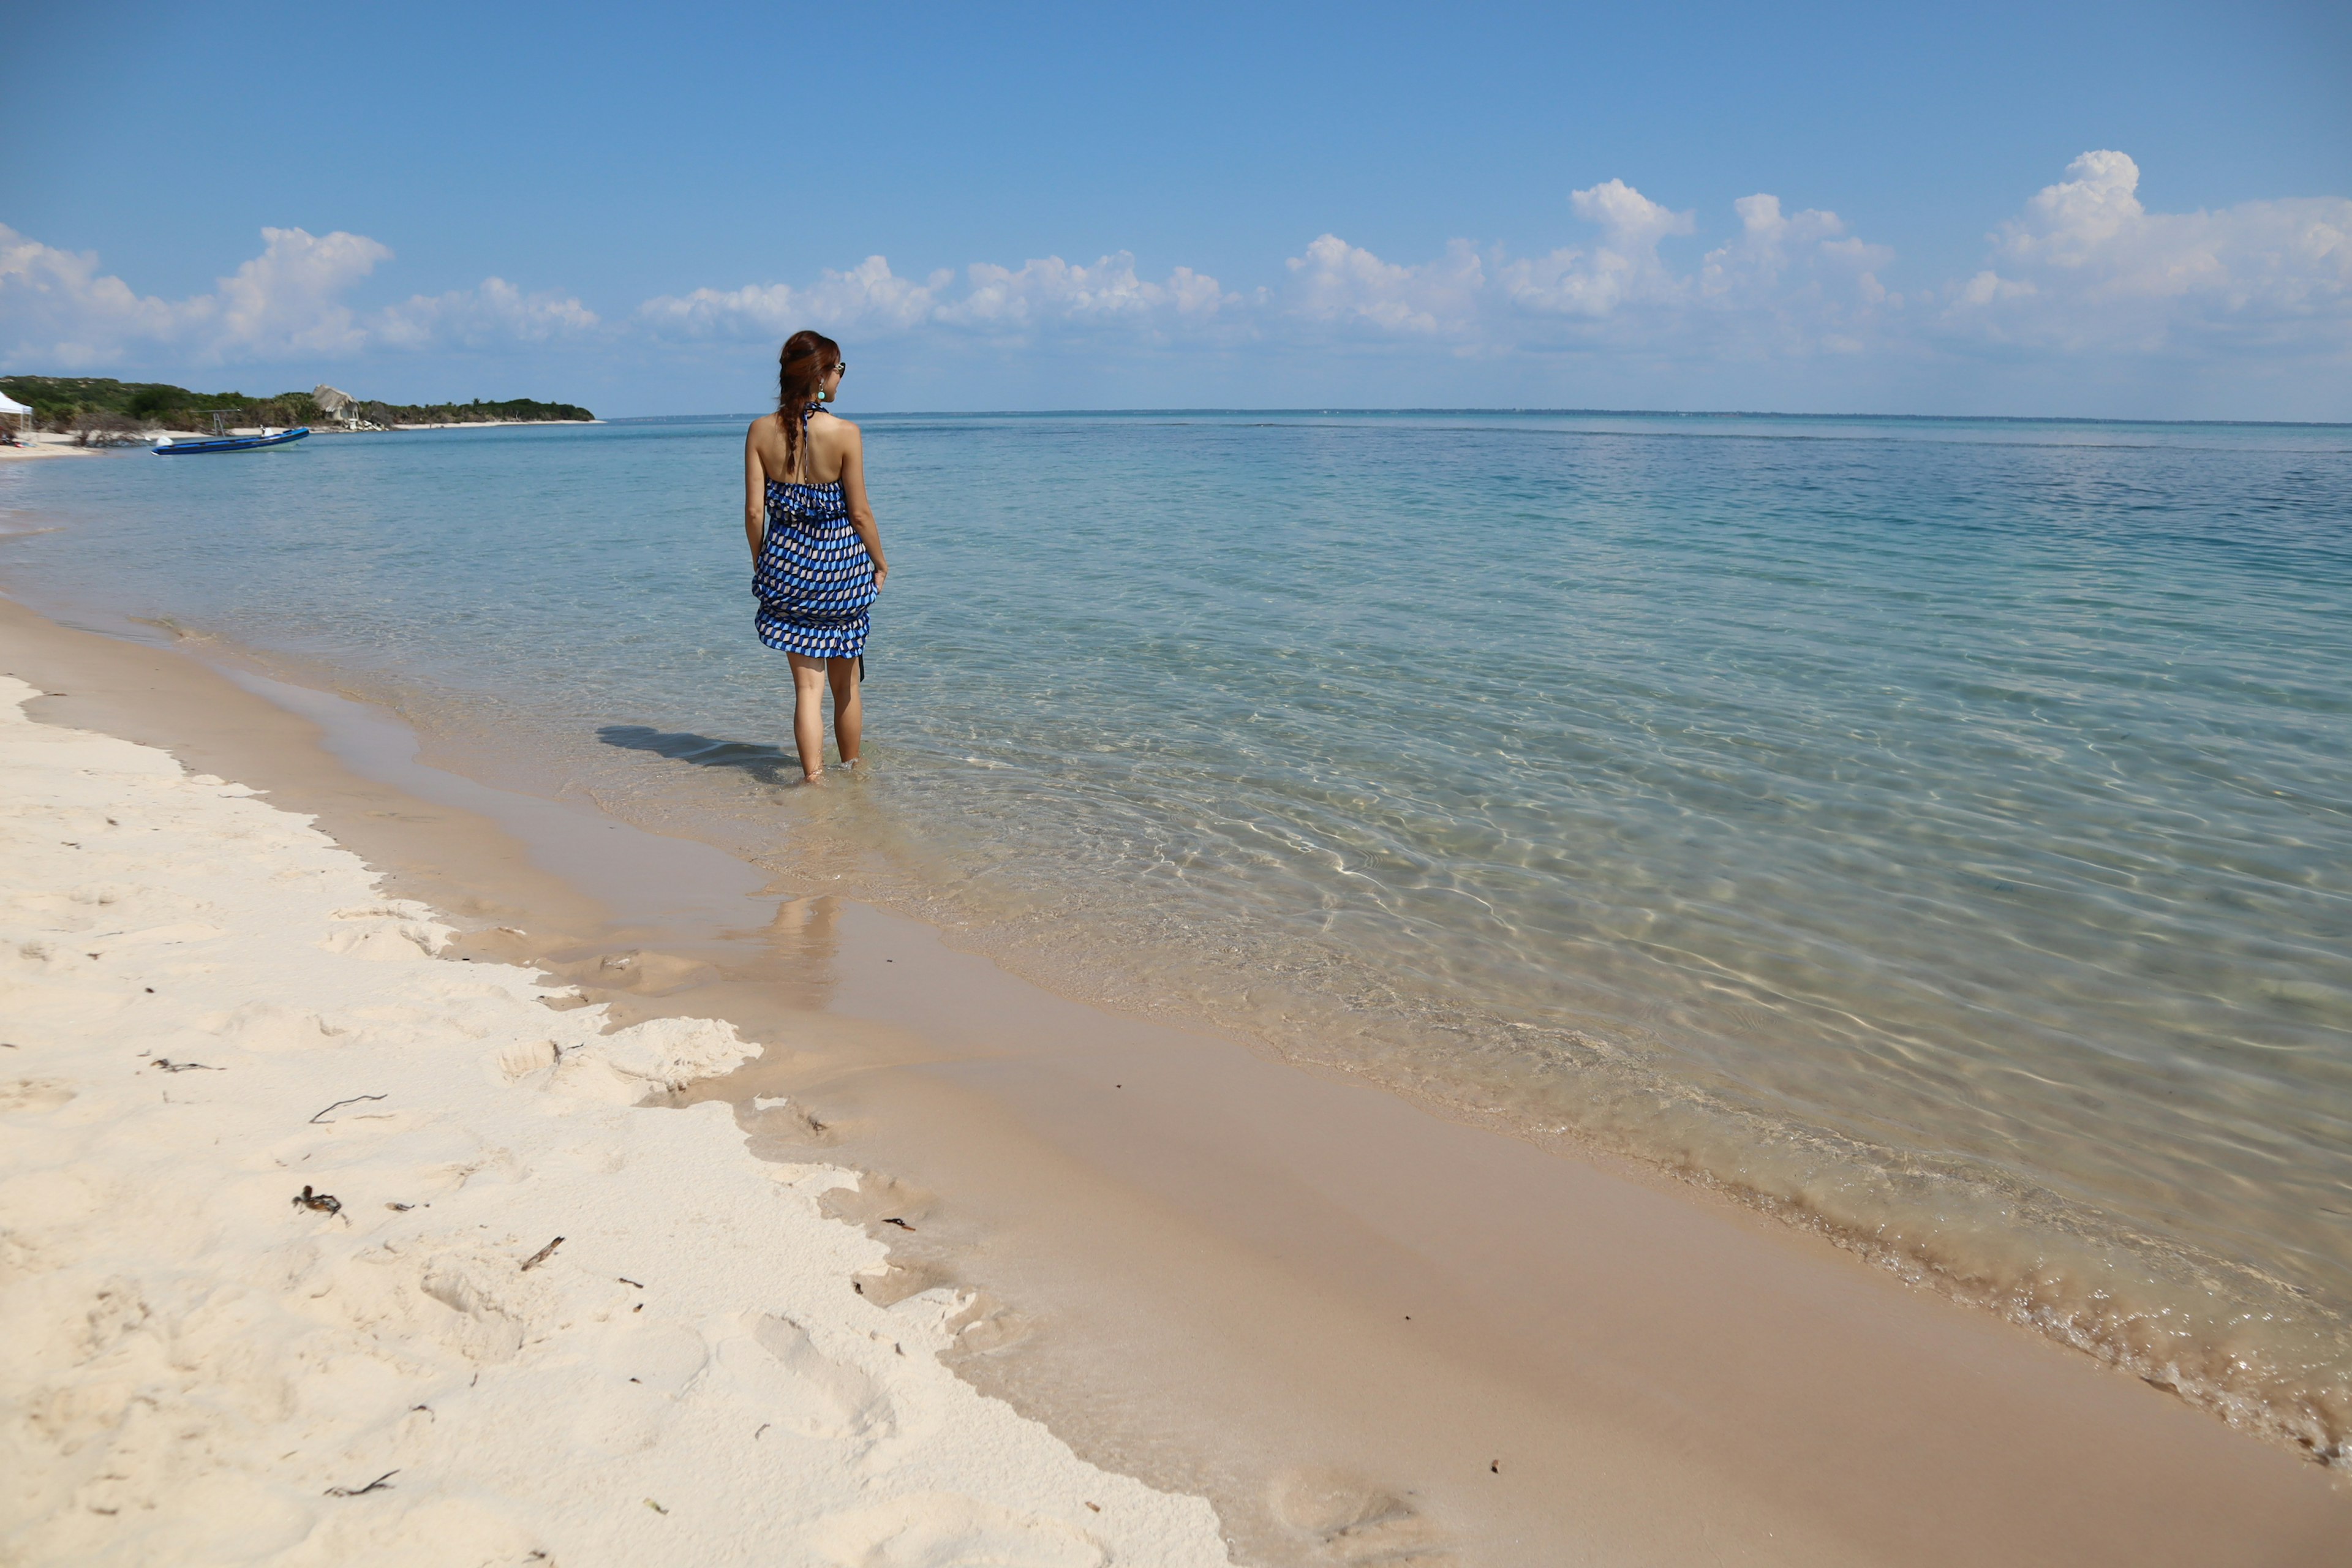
{"x":816,"y":554}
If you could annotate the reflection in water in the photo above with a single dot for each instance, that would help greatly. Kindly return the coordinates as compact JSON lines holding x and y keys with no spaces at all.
{"x":805,"y":939}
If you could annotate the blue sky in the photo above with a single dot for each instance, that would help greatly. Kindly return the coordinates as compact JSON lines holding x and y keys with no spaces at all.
{"x":2134,"y":211}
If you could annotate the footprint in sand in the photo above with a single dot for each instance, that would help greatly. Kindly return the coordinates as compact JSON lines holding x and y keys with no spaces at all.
{"x":51,"y":1200}
{"x":269,"y":1026}
{"x":947,"y":1530}
{"x":646,"y":1371}
{"x":778,"y":1370}
{"x":1353,"y":1521}
{"x":34,"y":1094}
{"x":493,"y":1307}
{"x":389,"y":932}
{"x":984,"y":1327}
{"x":781,"y":1130}
{"x":434,"y":1529}
{"x":894,"y":1281}
{"x":519,"y":1059}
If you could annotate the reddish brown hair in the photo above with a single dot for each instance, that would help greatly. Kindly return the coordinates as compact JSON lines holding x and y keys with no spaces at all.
{"x":801,"y":369}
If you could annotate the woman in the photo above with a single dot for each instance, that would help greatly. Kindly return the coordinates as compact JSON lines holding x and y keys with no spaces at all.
{"x":816,"y":556}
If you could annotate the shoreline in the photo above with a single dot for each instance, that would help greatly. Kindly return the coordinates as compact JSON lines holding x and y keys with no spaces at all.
{"x":177,"y":1321}
{"x":397,"y":429}
{"x":51,"y":443}
{"x":1236,"y":1189}
{"x":454,"y":424}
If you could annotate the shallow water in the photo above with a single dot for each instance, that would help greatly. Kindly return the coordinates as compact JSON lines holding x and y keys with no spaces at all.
{"x":1936,"y":832}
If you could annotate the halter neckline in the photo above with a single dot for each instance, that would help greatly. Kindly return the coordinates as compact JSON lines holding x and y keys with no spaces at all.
{"x":807,"y":414}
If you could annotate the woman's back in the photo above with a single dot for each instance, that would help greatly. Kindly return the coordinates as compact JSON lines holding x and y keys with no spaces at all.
{"x":823,"y":449}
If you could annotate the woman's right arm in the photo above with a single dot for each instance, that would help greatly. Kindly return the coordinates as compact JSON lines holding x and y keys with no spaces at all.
{"x":755,"y":495}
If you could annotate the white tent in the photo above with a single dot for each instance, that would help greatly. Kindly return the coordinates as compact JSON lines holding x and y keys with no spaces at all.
{"x":14,"y":417}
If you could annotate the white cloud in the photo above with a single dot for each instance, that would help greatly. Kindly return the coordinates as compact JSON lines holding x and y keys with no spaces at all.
{"x":1338,"y":282}
{"x":1624,"y":270}
{"x":286,"y":301}
{"x":2082,"y":282}
{"x":1798,"y":284}
{"x":1052,"y":291}
{"x":1046,"y":296}
{"x":868,"y":296}
{"x":1772,"y":250}
{"x":1470,"y":296}
{"x":1786,"y":284}
{"x":496,"y":312}
{"x":2085,"y":271}
{"x":2087,"y":268}
{"x":57,"y":309}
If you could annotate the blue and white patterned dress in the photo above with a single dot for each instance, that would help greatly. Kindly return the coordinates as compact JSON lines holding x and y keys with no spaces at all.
{"x":814,"y":579}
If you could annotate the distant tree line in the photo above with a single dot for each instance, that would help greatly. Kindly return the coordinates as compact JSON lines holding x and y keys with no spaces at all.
{"x":102,"y":411}
{"x":97,"y":409}
{"x":475,"y":413}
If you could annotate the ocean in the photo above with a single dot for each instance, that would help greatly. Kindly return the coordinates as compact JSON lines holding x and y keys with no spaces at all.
{"x":1936,"y":833}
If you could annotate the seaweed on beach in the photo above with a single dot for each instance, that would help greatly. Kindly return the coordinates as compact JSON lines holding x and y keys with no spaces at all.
{"x":383,"y":1483}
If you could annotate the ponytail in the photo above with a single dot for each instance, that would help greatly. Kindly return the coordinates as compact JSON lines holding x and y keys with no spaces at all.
{"x":801,"y":369}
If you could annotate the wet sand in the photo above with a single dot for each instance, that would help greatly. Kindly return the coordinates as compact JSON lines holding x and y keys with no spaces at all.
{"x":475,"y":1294}
{"x":1365,"y":1334}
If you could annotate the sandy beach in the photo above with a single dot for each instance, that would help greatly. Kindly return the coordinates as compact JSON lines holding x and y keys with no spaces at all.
{"x":475,"y":424}
{"x":52,"y":444}
{"x":1360,"y":1332}
{"x":291,"y":1194}
{"x":46,"y":444}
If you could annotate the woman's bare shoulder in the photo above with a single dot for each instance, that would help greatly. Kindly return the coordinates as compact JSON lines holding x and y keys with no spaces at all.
{"x":832,"y":421}
{"x":765,"y":424}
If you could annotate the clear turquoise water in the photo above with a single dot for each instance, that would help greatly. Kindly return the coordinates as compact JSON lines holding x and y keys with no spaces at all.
{"x":1939,"y":833}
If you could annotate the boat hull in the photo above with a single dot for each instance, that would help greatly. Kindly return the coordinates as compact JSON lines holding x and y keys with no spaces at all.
{"x":231,"y":444}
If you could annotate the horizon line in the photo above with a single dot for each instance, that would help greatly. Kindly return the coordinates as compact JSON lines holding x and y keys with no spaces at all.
{"x":1472,"y":408}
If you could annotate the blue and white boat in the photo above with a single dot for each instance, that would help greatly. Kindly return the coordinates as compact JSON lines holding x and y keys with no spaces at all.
{"x":168,"y":447}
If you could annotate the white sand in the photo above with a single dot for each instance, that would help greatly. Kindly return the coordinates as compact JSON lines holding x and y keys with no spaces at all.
{"x":46,"y":444}
{"x":189,"y":1360}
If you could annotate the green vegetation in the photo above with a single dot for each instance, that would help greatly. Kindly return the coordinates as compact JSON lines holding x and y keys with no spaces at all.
{"x":69,"y":403}
{"x":56,"y":400}
{"x":471,"y":413}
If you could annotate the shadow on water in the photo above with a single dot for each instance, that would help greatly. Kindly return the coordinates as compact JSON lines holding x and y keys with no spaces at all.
{"x":770,"y":765}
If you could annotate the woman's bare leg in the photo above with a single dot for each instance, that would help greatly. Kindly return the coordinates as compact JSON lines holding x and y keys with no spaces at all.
{"x":808,"y":711}
{"x":848,"y":708}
